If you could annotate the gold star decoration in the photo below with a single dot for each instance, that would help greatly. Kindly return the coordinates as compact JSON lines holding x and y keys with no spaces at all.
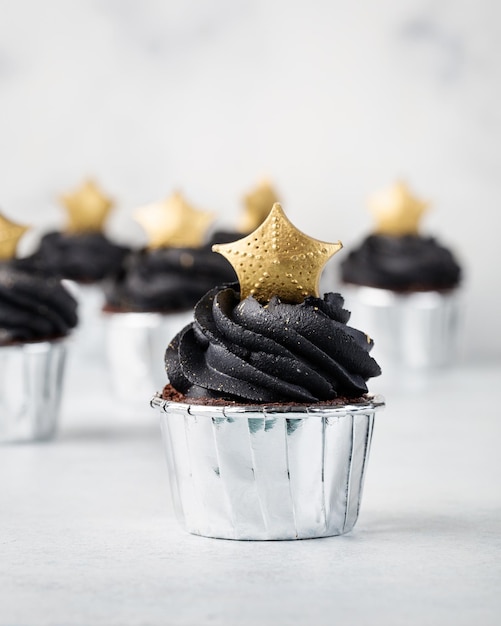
{"x":10,"y":234}
{"x":277,"y":259}
{"x":87,"y":208}
{"x":257,"y":204}
{"x":174,"y":223}
{"x":397,"y":211}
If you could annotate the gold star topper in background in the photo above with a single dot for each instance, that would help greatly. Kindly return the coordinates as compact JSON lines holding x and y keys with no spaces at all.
{"x":258,"y":204}
{"x":10,"y":234}
{"x":174,"y":223}
{"x":87,"y":208}
{"x":277,"y":259}
{"x":397,"y":211}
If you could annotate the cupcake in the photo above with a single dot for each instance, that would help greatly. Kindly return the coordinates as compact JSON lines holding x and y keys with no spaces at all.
{"x":82,"y":252}
{"x":36,"y":315}
{"x":153,"y":295}
{"x":404,"y":286}
{"x":267,"y":420}
{"x":256,"y":206}
{"x":86,"y":256}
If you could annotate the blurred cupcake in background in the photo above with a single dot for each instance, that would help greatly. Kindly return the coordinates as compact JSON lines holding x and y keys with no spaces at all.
{"x":257,"y":205}
{"x":36,"y":315}
{"x":83,"y":254}
{"x":404,"y":286}
{"x":153,"y":295}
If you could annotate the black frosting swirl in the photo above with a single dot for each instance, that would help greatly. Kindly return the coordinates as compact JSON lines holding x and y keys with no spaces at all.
{"x":280,"y":352}
{"x":167,"y":279}
{"x":83,"y":257}
{"x":33,"y":307}
{"x":408,"y":263}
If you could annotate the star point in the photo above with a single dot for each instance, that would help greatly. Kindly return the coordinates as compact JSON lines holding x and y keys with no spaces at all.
{"x":277,"y":259}
{"x":10,"y":234}
{"x":174,"y":223}
{"x":87,"y":208}
{"x":397,"y":211}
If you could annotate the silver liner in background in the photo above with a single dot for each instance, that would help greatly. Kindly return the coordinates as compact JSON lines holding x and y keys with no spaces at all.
{"x":31,"y":377}
{"x":412,"y":330}
{"x":135,"y":349}
{"x":87,"y":339}
{"x":267,"y":472}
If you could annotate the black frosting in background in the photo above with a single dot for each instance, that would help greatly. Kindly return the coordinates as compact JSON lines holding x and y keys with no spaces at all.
{"x":33,"y":307}
{"x":408,"y":263}
{"x":167,"y":279}
{"x":85,"y":257}
{"x":226,"y":236}
{"x":280,"y":352}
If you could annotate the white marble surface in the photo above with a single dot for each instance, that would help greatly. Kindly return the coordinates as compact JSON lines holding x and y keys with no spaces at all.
{"x":88,"y":535}
{"x":331,"y":99}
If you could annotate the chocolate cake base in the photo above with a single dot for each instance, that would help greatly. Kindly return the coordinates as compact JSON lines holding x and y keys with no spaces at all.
{"x":171,"y":394}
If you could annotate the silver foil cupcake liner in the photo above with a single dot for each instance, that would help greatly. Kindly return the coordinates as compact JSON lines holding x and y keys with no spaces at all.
{"x":135,"y":349}
{"x":88,"y":337}
{"x":416,"y":330}
{"x":267,"y":472}
{"x":31,"y":377}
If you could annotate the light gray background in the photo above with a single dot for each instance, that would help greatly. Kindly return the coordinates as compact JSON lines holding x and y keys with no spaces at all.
{"x":333,"y":100}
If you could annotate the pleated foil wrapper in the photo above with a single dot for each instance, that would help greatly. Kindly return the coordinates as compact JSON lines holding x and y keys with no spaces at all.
{"x":267,"y":472}
{"x":31,"y":378}
{"x":416,"y":330}
{"x":135,"y":345}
